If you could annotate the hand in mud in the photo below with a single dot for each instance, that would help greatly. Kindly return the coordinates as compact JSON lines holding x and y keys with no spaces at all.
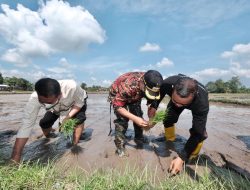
{"x":176,"y":166}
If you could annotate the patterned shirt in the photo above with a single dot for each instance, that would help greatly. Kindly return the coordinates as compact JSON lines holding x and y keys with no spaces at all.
{"x":72,"y":94}
{"x":126,"y":89}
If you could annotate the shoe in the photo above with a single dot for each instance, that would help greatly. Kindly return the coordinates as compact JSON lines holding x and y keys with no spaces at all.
{"x":51,"y":135}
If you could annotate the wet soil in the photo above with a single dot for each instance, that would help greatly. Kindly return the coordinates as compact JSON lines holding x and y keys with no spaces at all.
{"x":228,"y":144}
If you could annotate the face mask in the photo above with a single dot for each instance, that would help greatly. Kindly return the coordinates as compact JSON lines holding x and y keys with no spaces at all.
{"x":50,"y":106}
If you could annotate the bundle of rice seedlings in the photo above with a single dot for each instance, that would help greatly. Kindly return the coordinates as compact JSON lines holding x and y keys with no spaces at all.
{"x":68,"y":127}
{"x":159,"y":117}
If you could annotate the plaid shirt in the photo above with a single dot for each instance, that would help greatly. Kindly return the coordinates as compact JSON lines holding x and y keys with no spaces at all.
{"x":126,"y":89}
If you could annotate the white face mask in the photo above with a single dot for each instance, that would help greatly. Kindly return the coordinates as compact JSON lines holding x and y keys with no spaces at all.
{"x":50,"y":106}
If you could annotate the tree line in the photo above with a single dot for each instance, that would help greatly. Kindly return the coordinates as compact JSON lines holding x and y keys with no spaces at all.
{"x":219,"y":86}
{"x":15,"y":83}
{"x":94,"y":88}
{"x":231,"y":86}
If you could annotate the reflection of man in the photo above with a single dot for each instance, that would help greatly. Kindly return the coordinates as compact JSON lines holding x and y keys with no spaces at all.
{"x":125,"y":95}
{"x":185,"y":93}
{"x":59,"y":98}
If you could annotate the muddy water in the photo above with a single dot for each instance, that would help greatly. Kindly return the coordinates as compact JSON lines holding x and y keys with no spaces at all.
{"x":228,"y":143}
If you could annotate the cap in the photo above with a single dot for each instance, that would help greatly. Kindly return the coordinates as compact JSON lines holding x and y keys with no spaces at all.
{"x":153,"y":81}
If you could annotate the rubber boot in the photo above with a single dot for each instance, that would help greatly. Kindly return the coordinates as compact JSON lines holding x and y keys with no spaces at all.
{"x":170,"y":133}
{"x":196,"y":151}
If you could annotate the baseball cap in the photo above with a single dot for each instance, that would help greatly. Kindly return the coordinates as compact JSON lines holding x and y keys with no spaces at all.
{"x":153,"y":81}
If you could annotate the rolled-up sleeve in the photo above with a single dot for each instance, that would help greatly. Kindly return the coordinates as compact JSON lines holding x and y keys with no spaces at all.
{"x":79,"y":96}
{"x":29,"y":118}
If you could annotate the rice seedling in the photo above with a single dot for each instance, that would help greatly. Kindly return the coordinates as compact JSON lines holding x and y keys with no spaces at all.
{"x":159,"y":116}
{"x":68,"y":127}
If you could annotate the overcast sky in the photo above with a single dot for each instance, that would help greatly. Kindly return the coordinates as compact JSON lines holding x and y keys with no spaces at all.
{"x":94,"y":41}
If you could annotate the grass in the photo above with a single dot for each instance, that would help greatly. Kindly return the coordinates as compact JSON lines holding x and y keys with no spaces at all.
{"x":226,"y":98}
{"x":230,"y":98}
{"x":38,"y":176}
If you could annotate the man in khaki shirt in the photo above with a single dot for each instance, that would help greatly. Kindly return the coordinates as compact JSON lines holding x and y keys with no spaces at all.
{"x":59,"y":98}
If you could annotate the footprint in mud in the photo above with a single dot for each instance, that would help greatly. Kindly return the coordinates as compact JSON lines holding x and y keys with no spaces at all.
{"x":86,"y":135}
{"x":6,"y":135}
{"x":4,"y":114}
{"x":246,"y":140}
{"x":106,"y":154}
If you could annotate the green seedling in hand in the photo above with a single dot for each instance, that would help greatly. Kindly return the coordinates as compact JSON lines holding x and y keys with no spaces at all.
{"x":159,"y":117}
{"x":68,"y":127}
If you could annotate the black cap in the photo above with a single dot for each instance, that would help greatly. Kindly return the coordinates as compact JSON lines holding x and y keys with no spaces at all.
{"x":153,"y":80}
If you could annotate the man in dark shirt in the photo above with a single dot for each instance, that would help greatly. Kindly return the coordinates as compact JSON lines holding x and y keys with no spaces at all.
{"x":125,"y":96}
{"x":185,"y":93}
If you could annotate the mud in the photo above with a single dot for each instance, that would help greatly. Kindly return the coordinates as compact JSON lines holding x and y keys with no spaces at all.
{"x":228,"y":144}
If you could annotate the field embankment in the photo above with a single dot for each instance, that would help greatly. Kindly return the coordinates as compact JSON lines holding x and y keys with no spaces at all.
{"x":229,"y":98}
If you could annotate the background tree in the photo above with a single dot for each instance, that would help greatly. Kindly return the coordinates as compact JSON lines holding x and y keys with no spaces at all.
{"x":18,"y":83}
{"x":211,"y":87}
{"x":1,"y":78}
{"x":22,"y":84}
{"x":11,"y":81}
{"x":83,"y":85}
{"x":234,"y":84}
{"x":221,"y":88}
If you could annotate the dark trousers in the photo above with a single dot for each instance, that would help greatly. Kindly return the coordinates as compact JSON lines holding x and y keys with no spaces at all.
{"x":49,"y":118}
{"x":121,"y":124}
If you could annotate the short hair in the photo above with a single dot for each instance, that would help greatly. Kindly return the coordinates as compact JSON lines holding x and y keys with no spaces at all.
{"x":47,"y":87}
{"x":186,"y":86}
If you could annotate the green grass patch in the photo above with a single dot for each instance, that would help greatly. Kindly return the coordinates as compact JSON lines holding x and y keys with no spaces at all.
{"x":38,"y":176}
{"x":227,"y":98}
{"x":230,"y":98}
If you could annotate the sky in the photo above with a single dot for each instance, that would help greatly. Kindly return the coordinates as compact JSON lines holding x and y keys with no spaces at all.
{"x":95,"y":41}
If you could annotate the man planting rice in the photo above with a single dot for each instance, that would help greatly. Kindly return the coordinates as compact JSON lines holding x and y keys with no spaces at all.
{"x":125,"y":95}
{"x":59,"y":98}
{"x":185,"y":93}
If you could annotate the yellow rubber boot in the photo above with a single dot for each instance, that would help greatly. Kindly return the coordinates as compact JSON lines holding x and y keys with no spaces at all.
{"x":170,"y":133}
{"x":196,"y":151}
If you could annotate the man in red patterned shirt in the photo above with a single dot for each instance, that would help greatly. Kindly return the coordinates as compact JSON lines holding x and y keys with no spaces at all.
{"x":125,"y":96}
